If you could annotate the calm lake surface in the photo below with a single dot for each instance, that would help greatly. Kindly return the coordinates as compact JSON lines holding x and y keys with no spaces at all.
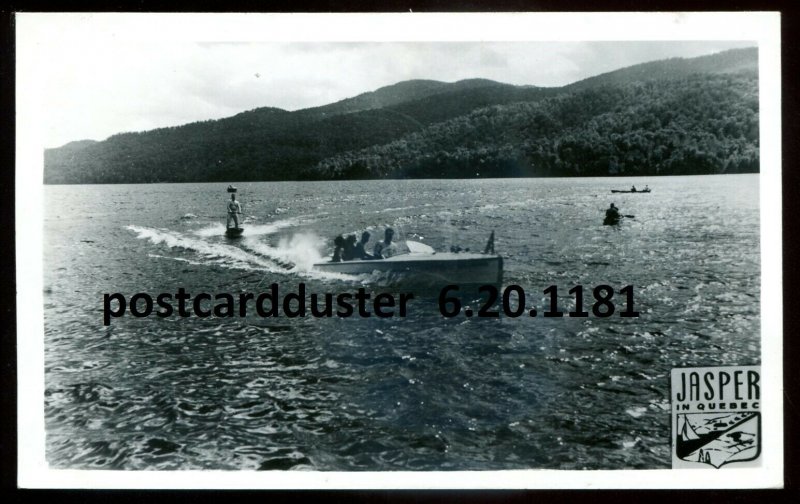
{"x":421,"y":392}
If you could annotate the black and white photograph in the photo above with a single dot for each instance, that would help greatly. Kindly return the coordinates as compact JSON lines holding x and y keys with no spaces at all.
{"x":399,"y":251}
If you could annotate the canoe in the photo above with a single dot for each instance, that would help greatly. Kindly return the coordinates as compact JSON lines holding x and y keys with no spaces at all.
{"x":629,"y":191}
{"x":433,"y":269}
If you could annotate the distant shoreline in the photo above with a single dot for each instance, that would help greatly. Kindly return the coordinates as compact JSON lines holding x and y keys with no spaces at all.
{"x":240,"y":182}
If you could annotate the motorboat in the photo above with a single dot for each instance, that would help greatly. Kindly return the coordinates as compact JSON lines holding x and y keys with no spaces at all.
{"x":422,"y":265}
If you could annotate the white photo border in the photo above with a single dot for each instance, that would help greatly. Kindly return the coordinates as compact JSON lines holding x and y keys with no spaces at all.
{"x":35,"y":32}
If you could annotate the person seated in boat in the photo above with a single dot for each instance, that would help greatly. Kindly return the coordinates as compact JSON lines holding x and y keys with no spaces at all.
{"x":633,"y":188}
{"x":361,"y":247}
{"x":385,"y":248}
{"x":612,"y":215}
{"x":349,"y":250}
{"x":234,"y":209}
{"x":646,"y":187}
{"x":338,"y":245}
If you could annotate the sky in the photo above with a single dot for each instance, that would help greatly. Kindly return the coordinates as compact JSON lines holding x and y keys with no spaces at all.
{"x":92,"y":90}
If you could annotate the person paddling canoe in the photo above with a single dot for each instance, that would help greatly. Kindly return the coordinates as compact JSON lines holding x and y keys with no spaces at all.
{"x":612,"y":216}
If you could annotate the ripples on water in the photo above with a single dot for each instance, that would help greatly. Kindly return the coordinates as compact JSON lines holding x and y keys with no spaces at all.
{"x":418,"y":393}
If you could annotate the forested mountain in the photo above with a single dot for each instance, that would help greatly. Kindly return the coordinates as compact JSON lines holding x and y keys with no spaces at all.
{"x":673,"y":116}
{"x":733,"y":61}
{"x":402,"y":92}
{"x":701,"y":124}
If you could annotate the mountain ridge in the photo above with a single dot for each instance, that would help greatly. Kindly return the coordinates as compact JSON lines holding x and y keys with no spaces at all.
{"x":269,"y":143}
{"x":730,"y":61}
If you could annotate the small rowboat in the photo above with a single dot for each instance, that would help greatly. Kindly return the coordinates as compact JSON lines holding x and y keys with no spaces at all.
{"x":629,"y":191}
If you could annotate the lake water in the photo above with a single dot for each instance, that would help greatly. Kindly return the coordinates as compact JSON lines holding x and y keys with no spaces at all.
{"x":420,"y":392}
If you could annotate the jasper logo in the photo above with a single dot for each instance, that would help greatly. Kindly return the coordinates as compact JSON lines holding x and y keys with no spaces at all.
{"x":716,"y":417}
{"x":718,"y":439}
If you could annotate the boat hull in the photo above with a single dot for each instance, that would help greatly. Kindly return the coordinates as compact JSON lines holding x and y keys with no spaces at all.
{"x":630,"y":192}
{"x":434,"y":270}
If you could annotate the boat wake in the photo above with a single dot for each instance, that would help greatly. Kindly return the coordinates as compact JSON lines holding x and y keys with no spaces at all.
{"x":300,"y":251}
{"x":204,"y":252}
{"x":295,"y":254}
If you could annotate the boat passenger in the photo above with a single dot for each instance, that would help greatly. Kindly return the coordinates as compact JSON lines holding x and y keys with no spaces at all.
{"x":612,"y":215}
{"x":338,"y":245}
{"x":385,"y":248}
{"x":361,"y":247}
{"x":349,"y":251}
{"x":234,"y":209}
{"x":633,"y":188}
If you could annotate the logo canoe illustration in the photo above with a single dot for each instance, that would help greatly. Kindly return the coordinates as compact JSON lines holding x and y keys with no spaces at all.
{"x":718,"y":439}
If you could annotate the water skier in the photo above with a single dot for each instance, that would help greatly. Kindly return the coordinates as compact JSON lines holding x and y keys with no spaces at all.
{"x":234,"y":209}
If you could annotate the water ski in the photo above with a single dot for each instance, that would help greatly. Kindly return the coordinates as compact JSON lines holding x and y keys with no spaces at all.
{"x":234,"y":232}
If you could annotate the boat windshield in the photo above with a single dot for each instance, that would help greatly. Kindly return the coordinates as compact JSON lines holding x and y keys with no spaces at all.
{"x":413,"y":247}
{"x":399,"y":248}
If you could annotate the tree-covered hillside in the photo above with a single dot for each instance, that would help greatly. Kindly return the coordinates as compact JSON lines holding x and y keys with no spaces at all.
{"x":674,"y":116}
{"x":701,"y":124}
{"x":733,"y":61}
{"x":270,"y":143}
